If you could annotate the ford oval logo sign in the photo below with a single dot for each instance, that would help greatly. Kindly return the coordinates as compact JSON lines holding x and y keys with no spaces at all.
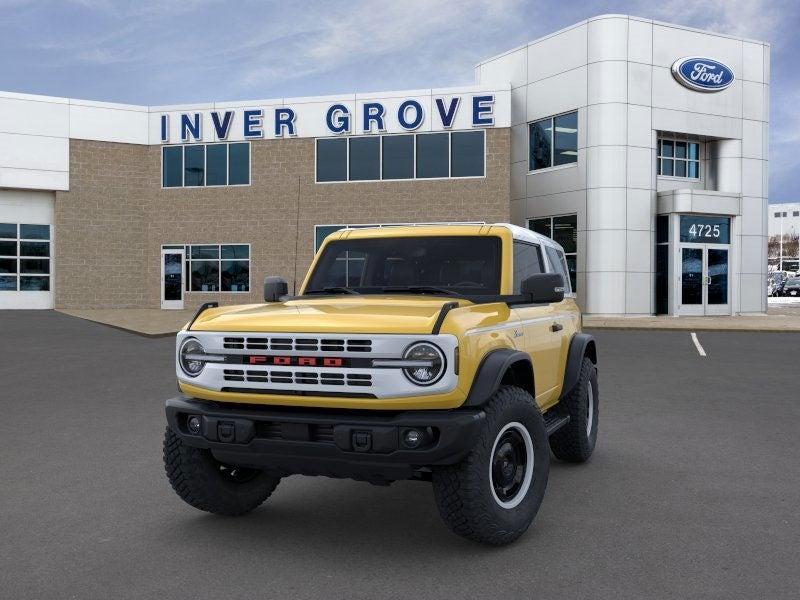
{"x":702,"y":74}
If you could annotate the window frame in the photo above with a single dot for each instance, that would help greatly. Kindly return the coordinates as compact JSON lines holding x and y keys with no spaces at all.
{"x":552,"y":119}
{"x":660,"y":158}
{"x":414,"y":177}
{"x":187,"y":265}
{"x":18,"y":257}
{"x":183,"y":147}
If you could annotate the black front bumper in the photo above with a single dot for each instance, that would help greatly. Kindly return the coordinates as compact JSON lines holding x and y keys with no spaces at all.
{"x":365,"y":445}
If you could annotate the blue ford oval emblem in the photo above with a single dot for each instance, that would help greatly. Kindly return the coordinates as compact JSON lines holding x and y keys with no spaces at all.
{"x":702,"y":74}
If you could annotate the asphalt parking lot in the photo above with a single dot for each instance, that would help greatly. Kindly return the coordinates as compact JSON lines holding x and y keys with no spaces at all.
{"x":693,"y":491}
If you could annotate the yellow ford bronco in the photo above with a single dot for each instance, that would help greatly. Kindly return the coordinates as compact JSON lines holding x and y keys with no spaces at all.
{"x":451,"y":354}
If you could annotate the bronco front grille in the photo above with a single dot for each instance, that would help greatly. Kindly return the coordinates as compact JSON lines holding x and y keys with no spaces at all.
{"x":284,"y":377}
{"x":302,"y":344}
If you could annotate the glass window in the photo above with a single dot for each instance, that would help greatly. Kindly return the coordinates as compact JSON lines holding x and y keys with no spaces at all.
{"x":34,"y":265}
{"x":566,"y":139}
{"x":553,"y":141}
{"x":542,"y":226}
{"x":8,"y":284}
{"x":172,"y":167}
{"x":200,"y":165}
{"x":235,"y":276}
{"x":332,"y":159}
{"x":194,"y":172}
{"x":235,"y":251}
{"x":540,"y":144}
{"x":527,"y":262}
{"x":662,"y":229}
{"x":365,"y":157}
{"x":398,"y":156}
{"x":34,"y":284}
{"x":565,"y":232}
{"x":34,"y":248}
{"x":323,"y":231}
{"x":8,"y":265}
{"x":217,"y":164}
{"x":239,"y":164}
{"x":433,"y":155}
{"x":678,"y":158}
{"x":34,"y":232}
{"x":8,"y":230}
{"x":466,"y":154}
{"x":205,"y":252}
{"x":703,"y":229}
{"x":559,"y":264}
{"x":468,"y":265}
{"x":205,"y":275}
{"x":8,"y":248}
{"x":777,"y":215}
{"x":217,"y":267}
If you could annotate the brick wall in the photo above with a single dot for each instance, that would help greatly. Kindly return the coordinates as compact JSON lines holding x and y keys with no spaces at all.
{"x":111,"y":224}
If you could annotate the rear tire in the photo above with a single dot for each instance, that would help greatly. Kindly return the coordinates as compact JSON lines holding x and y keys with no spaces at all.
{"x":493,"y":495}
{"x":207,"y":484}
{"x":575,"y":441}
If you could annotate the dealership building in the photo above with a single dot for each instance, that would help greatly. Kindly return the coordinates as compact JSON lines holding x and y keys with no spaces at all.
{"x":640,"y":146}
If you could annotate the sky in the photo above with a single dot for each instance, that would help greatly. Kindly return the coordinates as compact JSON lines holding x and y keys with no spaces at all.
{"x":156,"y":52}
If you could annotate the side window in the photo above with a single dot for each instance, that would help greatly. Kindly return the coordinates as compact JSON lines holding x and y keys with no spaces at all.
{"x":559,"y":264}
{"x":527,"y":262}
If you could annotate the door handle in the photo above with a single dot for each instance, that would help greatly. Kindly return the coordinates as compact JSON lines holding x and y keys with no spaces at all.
{"x":556,"y":327}
{"x":708,"y":279}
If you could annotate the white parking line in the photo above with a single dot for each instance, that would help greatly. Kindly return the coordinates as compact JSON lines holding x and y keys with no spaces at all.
{"x":697,"y":345}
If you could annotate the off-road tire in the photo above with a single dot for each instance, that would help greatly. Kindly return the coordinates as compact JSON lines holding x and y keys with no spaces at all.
{"x":463,"y":492}
{"x":572,"y":443}
{"x":196,"y":477}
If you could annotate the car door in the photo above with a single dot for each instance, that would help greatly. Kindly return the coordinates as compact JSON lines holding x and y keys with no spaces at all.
{"x":540,"y":341}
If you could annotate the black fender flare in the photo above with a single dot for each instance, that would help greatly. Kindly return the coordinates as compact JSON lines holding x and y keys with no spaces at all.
{"x":581,"y":344}
{"x":491,"y":371}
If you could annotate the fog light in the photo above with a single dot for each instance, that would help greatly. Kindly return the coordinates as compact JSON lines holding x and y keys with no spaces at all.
{"x":412,"y":438}
{"x":194,"y":424}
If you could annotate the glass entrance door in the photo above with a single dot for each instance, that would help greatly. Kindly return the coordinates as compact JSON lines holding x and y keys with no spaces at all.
{"x":172,"y":279}
{"x":703,"y":286}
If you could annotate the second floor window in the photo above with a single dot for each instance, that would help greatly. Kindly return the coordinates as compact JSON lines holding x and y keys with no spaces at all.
{"x":198,"y":165}
{"x":553,"y":141}
{"x":678,"y":158}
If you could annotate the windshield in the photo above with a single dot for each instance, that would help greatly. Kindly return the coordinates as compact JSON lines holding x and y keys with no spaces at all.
{"x":457,"y":265}
{"x":793,"y":281}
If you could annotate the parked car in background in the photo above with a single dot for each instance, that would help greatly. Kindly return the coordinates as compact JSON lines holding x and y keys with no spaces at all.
{"x":791,"y":287}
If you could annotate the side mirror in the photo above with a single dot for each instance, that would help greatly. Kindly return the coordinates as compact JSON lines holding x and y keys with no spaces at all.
{"x":274,"y":288}
{"x":544,"y":288}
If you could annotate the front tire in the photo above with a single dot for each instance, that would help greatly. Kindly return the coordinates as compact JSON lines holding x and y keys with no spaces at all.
{"x":207,"y":484}
{"x":493,"y":495}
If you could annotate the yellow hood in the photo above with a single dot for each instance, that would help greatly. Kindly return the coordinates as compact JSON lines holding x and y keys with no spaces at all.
{"x":334,"y":314}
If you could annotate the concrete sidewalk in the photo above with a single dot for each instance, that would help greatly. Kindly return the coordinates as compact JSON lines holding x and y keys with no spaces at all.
{"x":153,"y":322}
{"x":149,"y":322}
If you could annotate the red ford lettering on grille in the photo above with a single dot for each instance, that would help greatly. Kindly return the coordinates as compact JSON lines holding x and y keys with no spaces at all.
{"x":298,"y":361}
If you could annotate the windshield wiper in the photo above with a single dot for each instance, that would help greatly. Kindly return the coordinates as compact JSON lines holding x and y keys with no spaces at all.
{"x":333,"y":290}
{"x":421,"y":289}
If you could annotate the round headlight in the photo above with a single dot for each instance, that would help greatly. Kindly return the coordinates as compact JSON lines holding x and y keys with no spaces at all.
{"x":190,"y":349}
{"x":431,"y":360}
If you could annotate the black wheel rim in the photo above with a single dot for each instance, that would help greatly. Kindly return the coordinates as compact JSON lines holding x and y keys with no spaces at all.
{"x":236,"y":474}
{"x":509,"y":462}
